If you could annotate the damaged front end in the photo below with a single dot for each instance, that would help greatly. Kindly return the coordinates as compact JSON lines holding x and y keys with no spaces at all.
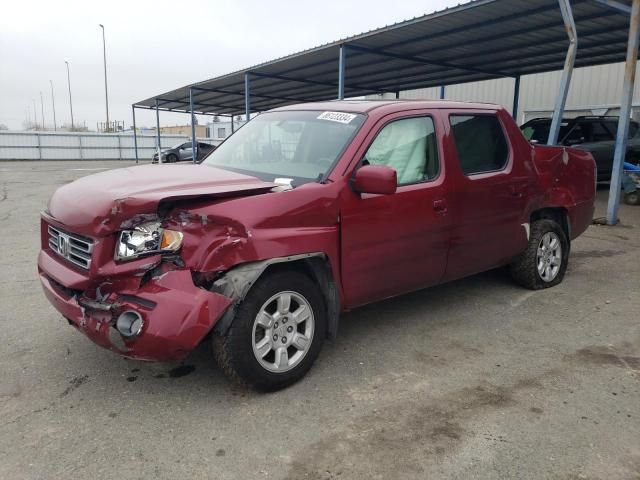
{"x":148,"y":308}
{"x":113,"y":264}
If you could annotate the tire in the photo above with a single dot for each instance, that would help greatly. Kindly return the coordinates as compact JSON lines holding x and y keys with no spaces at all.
{"x":527,"y":269}
{"x":237,"y":353}
{"x":171,"y":158}
{"x":632,"y":198}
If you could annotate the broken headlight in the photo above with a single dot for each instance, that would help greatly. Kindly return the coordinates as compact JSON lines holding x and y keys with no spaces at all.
{"x":147,"y":239}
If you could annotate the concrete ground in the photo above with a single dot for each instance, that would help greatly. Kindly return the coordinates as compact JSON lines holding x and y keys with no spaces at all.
{"x":474,"y":379}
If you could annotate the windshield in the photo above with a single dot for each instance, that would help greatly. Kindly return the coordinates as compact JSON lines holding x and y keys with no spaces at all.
{"x":301,"y":145}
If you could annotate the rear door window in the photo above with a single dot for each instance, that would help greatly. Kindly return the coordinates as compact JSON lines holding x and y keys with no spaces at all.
{"x":480,"y":143}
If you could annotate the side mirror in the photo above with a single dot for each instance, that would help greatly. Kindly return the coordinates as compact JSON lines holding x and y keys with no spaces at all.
{"x":376,"y":179}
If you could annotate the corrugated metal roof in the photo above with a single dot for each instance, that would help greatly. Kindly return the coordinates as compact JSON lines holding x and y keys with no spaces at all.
{"x":479,"y":40}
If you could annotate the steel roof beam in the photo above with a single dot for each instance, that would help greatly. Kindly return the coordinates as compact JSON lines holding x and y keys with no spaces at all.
{"x":158,"y":140}
{"x":436,"y":79}
{"x":515,"y":33}
{"x":565,"y":80}
{"x":312,"y":82}
{"x":281,"y":76}
{"x":552,"y":51}
{"x":444,"y":77}
{"x":481,"y":24}
{"x":266,"y":97}
{"x":523,"y":31}
{"x":166,"y":101}
{"x":511,"y":74}
{"x":268,"y":76}
{"x":614,"y":5}
{"x":422,"y":60}
{"x":135,"y":131}
{"x":464,"y":67}
{"x":145,"y":107}
{"x":341,"y":67}
{"x":240,"y":94}
{"x":622,"y":136}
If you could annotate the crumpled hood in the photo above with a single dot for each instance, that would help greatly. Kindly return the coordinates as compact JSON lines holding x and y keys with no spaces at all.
{"x":98,"y":204}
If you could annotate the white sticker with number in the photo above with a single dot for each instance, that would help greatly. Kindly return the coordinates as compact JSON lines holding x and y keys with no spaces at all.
{"x":339,"y":117}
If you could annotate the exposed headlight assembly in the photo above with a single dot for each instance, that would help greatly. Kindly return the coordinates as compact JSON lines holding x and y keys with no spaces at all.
{"x":146,"y":239}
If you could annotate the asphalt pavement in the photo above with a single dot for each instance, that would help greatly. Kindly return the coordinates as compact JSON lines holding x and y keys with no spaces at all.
{"x":473,"y":379}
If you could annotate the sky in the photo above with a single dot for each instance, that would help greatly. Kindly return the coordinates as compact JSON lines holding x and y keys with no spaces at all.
{"x":156,"y":46}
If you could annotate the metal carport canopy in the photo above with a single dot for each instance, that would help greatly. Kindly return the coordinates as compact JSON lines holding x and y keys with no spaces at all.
{"x":479,"y":40}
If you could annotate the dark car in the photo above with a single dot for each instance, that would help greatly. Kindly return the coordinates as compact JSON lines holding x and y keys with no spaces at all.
{"x":595,"y":134}
{"x":184,"y":152}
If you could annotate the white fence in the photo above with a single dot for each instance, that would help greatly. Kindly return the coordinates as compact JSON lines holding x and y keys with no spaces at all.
{"x":83,"y":146}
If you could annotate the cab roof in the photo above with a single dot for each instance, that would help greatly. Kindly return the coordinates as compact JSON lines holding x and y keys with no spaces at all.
{"x":365,"y":106}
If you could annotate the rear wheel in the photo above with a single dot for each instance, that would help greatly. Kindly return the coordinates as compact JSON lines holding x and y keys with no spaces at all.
{"x":276,"y":335}
{"x":632,"y":198}
{"x":544,"y":262}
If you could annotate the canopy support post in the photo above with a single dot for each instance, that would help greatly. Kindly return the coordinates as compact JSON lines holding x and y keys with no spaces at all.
{"x":158,"y":145}
{"x":341,"y":66}
{"x":625,"y":115}
{"x":247,"y":97}
{"x":135,"y":132}
{"x":565,"y":82}
{"x":194,"y":144}
{"x":232,"y":124}
{"x":516,"y":98}
{"x":442,"y":92}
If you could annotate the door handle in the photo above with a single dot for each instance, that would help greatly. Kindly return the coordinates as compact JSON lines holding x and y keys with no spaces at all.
{"x":515,"y":191}
{"x":440,"y":206}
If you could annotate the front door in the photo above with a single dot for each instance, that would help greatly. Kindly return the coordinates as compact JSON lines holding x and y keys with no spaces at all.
{"x":186,"y":151}
{"x":392,"y":244}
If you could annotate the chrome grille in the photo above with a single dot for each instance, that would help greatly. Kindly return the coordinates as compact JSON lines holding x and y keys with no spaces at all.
{"x":72,"y":247}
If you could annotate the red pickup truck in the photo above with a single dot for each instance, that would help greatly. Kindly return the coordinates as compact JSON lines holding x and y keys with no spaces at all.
{"x":305,"y":212}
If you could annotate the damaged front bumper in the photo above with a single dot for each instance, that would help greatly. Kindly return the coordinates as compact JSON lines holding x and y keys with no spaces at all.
{"x":176,"y":314}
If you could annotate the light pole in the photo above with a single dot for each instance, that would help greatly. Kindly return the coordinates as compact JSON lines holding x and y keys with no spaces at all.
{"x":70,"y":102}
{"x":53,"y":104}
{"x":35,"y":115}
{"x":106,"y":94}
{"x":42,"y":110}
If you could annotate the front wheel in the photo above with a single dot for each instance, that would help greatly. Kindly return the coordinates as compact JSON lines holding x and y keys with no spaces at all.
{"x":544,"y":262}
{"x":276,"y":335}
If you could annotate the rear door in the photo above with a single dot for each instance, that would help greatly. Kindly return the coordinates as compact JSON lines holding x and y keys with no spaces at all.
{"x":392,"y":244}
{"x":490,"y":192}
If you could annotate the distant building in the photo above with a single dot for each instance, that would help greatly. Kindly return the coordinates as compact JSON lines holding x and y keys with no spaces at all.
{"x":201,"y":130}
{"x":594,"y":90}
{"x":222,"y":129}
